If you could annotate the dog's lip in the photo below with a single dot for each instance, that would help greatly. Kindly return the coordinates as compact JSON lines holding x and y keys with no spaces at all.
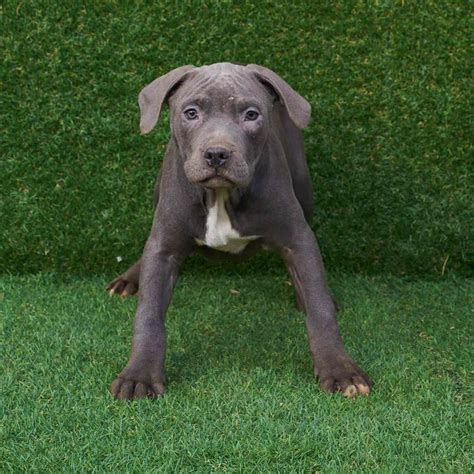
{"x":216,"y":176}
{"x":217,"y":181}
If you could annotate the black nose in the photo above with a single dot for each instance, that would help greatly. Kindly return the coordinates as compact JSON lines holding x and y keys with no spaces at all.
{"x":216,"y":156}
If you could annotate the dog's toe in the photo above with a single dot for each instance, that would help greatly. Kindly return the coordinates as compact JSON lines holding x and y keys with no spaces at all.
{"x":344,"y":376}
{"x":127,"y":389}
{"x":130,"y":289}
{"x":122,"y":287}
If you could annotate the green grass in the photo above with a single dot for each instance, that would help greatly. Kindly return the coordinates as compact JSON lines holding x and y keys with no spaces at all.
{"x":390,"y":83}
{"x":241,"y":396}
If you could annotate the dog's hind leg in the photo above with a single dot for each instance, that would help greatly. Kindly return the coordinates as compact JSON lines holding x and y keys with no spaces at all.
{"x":127,"y":283}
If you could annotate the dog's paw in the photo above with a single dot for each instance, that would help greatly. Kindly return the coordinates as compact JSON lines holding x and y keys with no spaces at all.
{"x":125,"y":388}
{"x":138,"y":380}
{"x":122,"y":286}
{"x":342,"y":374}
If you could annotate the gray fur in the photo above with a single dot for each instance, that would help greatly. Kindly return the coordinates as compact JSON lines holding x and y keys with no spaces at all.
{"x":230,"y":184}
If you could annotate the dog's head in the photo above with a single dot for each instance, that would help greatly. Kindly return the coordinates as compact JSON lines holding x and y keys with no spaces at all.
{"x":220,"y":117}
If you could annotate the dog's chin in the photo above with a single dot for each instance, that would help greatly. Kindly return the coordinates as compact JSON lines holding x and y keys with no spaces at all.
{"x":217,"y":182}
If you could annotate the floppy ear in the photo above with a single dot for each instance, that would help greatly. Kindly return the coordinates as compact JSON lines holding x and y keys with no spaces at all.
{"x":298,"y":108}
{"x":151,"y":97}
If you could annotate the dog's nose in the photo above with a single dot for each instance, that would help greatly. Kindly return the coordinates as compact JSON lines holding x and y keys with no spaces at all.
{"x":216,"y":156}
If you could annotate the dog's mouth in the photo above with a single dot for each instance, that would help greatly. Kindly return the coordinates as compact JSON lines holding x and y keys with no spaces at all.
{"x":216,"y":181}
{"x":233,"y":174}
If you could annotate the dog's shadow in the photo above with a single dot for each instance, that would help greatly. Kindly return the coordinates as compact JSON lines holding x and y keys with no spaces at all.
{"x":249,"y":321}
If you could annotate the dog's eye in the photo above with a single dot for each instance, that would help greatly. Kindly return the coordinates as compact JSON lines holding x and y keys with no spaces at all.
{"x":251,"y":115}
{"x":191,"y":114}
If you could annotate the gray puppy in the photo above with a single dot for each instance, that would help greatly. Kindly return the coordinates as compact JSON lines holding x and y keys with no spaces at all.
{"x":234,"y":180}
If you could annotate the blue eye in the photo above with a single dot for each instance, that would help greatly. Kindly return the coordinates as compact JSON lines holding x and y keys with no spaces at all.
{"x":251,"y":115}
{"x":191,"y":114}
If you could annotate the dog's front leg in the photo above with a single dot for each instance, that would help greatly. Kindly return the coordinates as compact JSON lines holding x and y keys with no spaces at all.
{"x":144,"y":375}
{"x":333,"y":366}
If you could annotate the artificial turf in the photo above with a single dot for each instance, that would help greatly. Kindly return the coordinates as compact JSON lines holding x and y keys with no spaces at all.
{"x":390,"y":84}
{"x":241,"y":395}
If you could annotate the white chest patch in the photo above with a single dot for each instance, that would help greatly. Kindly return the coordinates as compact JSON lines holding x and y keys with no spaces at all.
{"x":220,"y":234}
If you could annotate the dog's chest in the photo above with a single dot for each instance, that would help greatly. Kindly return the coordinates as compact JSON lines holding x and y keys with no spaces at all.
{"x":220,"y":234}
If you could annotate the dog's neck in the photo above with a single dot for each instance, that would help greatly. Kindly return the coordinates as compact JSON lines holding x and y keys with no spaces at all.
{"x":223,"y":195}
{"x":220,"y":233}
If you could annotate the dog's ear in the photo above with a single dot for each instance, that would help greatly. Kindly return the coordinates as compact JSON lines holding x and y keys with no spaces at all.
{"x":298,"y":108}
{"x":151,"y":97}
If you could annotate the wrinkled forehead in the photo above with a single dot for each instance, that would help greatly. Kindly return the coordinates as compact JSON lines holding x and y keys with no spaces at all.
{"x":223,"y":83}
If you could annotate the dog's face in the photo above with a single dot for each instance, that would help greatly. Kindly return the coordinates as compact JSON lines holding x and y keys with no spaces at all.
{"x":220,"y":118}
